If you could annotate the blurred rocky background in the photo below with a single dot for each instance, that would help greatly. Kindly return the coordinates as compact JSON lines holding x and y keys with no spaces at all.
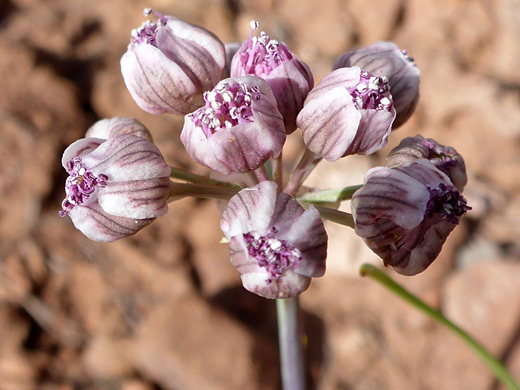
{"x":165,"y":310}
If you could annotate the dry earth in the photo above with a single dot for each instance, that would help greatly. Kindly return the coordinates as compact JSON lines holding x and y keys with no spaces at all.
{"x":165,"y":309}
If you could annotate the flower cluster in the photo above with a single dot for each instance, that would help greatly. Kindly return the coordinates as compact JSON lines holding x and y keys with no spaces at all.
{"x":119,"y":182}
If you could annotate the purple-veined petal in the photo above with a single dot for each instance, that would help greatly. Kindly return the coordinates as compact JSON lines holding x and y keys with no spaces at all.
{"x":427,"y":250}
{"x":340,"y":78}
{"x":290,"y":87}
{"x":196,"y":144}
{"x":372,"y":135}
{"x":127,"y":158}
{"x":308,"y":234}
{"x":247,"y":146}
{"x":98,"y":225}
{"x":250,"y":210}
{"x":140,"y":199}
{"x":157,"y":84}
{"x":289,"y":286}
{"x":395,"y":195}
{"x":80,"y":148}
{"x":425,"y":172}
{"x":329,"y":123}
{"x":107,"y":128}
{"x":199,"y":52}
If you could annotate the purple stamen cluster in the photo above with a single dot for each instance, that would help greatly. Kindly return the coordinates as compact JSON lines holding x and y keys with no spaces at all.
{"x":80,"y":185}
{"x":271,"y":253}
{"x":263,"y":54}
{"x":147,"y":33}
{"x":448,"y":202}
{"x":371,"y":93}
{"x":227,"y":105}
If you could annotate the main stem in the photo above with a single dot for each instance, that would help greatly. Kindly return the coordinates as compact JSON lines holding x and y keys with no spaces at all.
{"x":290,"y":344}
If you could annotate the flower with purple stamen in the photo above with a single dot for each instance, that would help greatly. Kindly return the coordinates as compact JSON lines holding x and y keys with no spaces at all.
{"x":274,"y":243}
{"x":349,"y":111}
{"x":386,"y":59}
{"x":238,"y":129}
{"x":228,"y":105}
{"x":170,"y":63}
{"x":405,"y":214}
{"x":118,"y":185}
{"x":288,"y":76}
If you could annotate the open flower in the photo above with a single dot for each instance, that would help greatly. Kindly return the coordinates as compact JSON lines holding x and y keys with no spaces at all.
{"x":405,"y":214}
{"x":349,"y":111}
{"x":274,"y":243}
{"x":169,"y":64}
{"x":445,"y":158}
{"x":116,"y":186}
{"x":238,"y":129}
{"x":288,"y":76}
{"x":386,"y":59}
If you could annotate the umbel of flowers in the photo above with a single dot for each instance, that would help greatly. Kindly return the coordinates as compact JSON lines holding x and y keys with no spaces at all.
{"x":119,"y":182}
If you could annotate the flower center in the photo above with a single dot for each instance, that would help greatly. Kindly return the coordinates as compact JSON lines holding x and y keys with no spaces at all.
{"x":263,"y":54}
{"x":446,"y":201}
{"x":80,"y":185}
{"x":227,"y":105}
{"x":273,"y":254}
{"x":371,"y":92}
{"x":147,"y":33}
